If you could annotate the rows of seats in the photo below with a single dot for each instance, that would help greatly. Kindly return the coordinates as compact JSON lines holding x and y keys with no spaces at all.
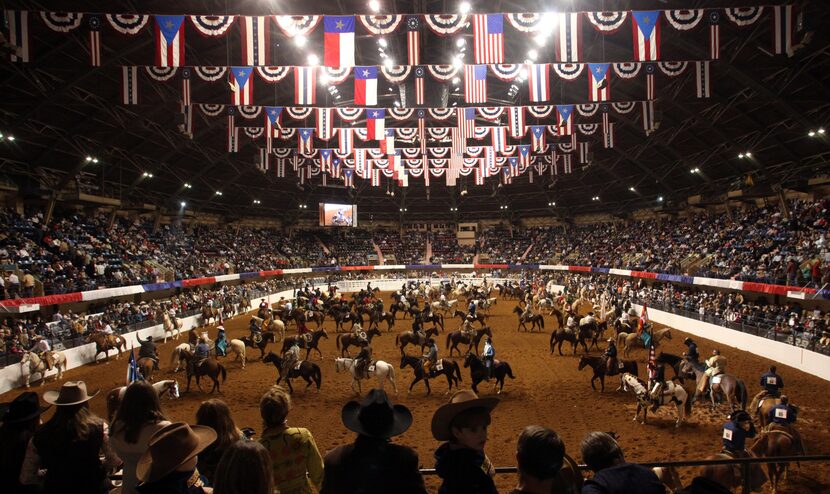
{"x":447,"y":250}
{"x":409,"y":249}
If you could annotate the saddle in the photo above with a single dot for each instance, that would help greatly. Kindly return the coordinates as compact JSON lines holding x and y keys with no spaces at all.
{"x":297,"y":365}
{"x":256,"y":338}
{"x":308,"y":337}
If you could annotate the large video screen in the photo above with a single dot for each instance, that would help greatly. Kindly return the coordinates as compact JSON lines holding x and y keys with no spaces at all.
{"x":338,"y":214}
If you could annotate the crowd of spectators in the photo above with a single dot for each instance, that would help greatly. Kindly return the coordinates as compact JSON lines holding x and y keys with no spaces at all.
{"x":409,"y":249}
{"x":504,"y":246}
{"x":446,"y":249}
{"x":348,"y":246}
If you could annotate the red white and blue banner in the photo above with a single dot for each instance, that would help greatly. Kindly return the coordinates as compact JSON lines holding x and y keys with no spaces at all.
{"x":345,"y":140}
{"x":599,"y":87}
{"x":387,"y":144}
{"x":702,"y":79}
{"x":376,"y":124}
{"x":475,"y":83}
{"x":646,"y":29}
{"x":305,"y":141}
{"x":325,"y":119}
{"x":95,"y":23}
{"x":784,"y":29}
{"x":516,"y":121}
{"x":233,"y":131}
{"x":488,"y":34}
{"x":212,"y":26}
{"x":537,"y":139}
{"x":569,"y":37}
{"x":338,"y":36}
{"x":467,"y":122}
{"x":242,"y":85}
{"x":538,"y":82}
{"x":413,"y":40}
{"x":499,"y":135}
{"x":18,"y":26}
{"x":564,"y":120}
{"x":169,"y":35}
{"x":305,"y":86}
{"x":272,"y":123}
{"x":419,"y":85}
{"x":129,"y":85}
{"x":366,"y":86}
{"x":255,"y":40}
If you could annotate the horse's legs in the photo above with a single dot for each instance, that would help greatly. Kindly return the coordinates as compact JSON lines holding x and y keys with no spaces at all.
{"x":602,"y":383}
{"x":288,"y":382}
{"x":413,"y":384}
{"x":426,"y":383}
{"x":318,"y":351}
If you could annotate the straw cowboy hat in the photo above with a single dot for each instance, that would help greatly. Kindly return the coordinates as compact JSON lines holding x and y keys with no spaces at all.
{"x":25,"y":407}
{"x":71,"y":393}
{"x":376,"y":416}
{"x":170,"y":447}
{"x":459,"y":402}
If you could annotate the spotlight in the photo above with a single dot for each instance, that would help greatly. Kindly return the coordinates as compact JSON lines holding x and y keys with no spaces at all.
{"x":552,"y":203}
{"x":540,"y":40}
{"x":1,"y":135}
{"x":457,"y":62}
{"x":374,"y":5}
{"x":464,"y":7}
{"x":324,"y":79}
{"x":460,"y":42}
{"x":382,"y":42}
{"x":256,"y":201}
{"x":187,"y":186}
{"x":631,"y":189}
{"x":456,"y":80}
{"x":532,"y":54}
{"x":741,"y":156}
{"x":313,"y":59}
{"x":145,"y":174}
{"x":659,"y":198}
{"x":388,"y":63}
{"x":812,"y":133}
{"x":400,"y":209}
{"x":300,"y":40}
{"x":88,"y":159}
{"x":821,"y":130}
{"x":11,"y":138}
{"x":183,"y":204}
{"x":694,"y":170}
{"x":748,"y":154}
{"x":94,"y":160}
{"x":218,"y":192}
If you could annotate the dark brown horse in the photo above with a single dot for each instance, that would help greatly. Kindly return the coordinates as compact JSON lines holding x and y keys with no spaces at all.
{"x":412,"y":338}
{"x":447,"y":368}
{"x":536,"y":320}
{"x":480,"y":317}
{"x":600,"y":368}
{"x":106,"y":342}
{"x":478,"y":371}
{"x":730,"y":476}
{"x":341,"y":318}
{"x":309,"y":371}
{"x":308,"y":344}
{"x":562,"y":335}
{"x":733,"y":389}
{"x":378,"y":317}
{"x":458,"y":337}
{"x":434,"y":318}
{"x":346,"y":340}
{"x":315,"y":316}
{"x":267,"y":337}
{"x":209,"y":367}
{"x":673,"y":361}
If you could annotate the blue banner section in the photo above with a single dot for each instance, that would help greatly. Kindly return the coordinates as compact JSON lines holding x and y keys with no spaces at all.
{"x":675,"y":278}
{"x":423,"y":266}
{"x":825,"y":294}
{"x":320,"y":269}
{"x":600,"y":270}
{"x":245,"y":276}
{"x":522,"y":266}
{"x":151,"y":287}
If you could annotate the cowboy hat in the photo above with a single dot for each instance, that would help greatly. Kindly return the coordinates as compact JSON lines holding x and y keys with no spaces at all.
{"x":25,"y":407}
{"x":170,"y":447}
{"x":459,"y":402}
{"x":71,"y":393}
{"x":376,"y":416}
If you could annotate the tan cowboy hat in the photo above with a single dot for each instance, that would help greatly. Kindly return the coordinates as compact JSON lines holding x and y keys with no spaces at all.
{"x":459,"y":402}
{"x":170,"y":447}
{"x":71,"y":393}
{"x":376,"y":416}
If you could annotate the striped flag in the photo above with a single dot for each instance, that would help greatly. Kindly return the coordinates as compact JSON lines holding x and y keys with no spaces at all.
{"x":18,"y":21}
{"x":376,"y":124}
{"x":499,"y":135}
{"x":564,"y":120}
{"x":186,"y":73}
{"x":538,"y":137}
{"x":646,"y":29}
{"x":132,"y":369}
{"x":233,"y":132}
{"x":599,"y":87}
{"x":324,"y":121}
{"x":242,"y":85}
{"x":783,"y":39}
{"x":338,"y":50}
{"x":607,"y":131}
{"x":583,"y":152}
{"x":524,"y":154}
{"x":714,"y":34}
{"x":475,"y":83}
{"x":419,"y":85}
{"x":264,"y":160}
{"x":702,"y":79}
{"x":305,"y":86}
{"x":538,"y":82}
{"x":255,"y":40}
{"x":566,"y":163}
{"x":129,"y":85}
{"x":488,"y":32}
{"x":95,"y":23}
{"x":422,"y":137}
{"x":345,"y":140}
{"x":272,"y":124}
{"x":569,"y":40}
{"x":413,"y":40}
{"x":387,"y":144}
{"x":169,"y":35}
{"x":348,"y":177}
{"x":648,"y":116}
{"x":466,"y":122}
{"x":516,"y":121}
{"x":366,"y":86}
{"x":650,"y":69}
{"x":305,"y":141}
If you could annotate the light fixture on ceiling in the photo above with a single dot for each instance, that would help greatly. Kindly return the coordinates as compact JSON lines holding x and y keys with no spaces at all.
{"x":187,"y":186}
{"x":382,"y":42}
{"x":388,"y":63}
{"x":182,"y":204}
{"x":532,"y":54}
{"x":552,"y":203}
{"x":300,"y":40}
{"x":464,"y":7}
{"x":632,"y":189}
{"x":456,"y":80}
{"x":460,"y":42}
{"x":694,"y":170}
{"x":659,"y":198}
{"x":374,"y":5}
{"x":313,"y":59}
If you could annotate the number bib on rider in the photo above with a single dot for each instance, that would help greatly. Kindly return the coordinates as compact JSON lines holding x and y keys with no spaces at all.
{"x":371,"y":368}
{"x":716,"y":379}
{"x":297,"y":365}
{"x":772,"y":381}
{"x":780,"y":413}
{"x":727,"y":434}
{"x":439,"y":366}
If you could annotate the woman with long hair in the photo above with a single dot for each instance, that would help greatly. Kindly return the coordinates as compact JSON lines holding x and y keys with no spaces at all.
{"x":20,"y":419}
{"x":216,"y":415}
{"x":245,"y":468}
{"x":138,"y":417}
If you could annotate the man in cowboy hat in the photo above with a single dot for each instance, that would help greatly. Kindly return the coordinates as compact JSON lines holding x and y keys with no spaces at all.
{"x":148,"y":350}
{"x":361,"y":362}
{"x":611,"y":356}
{"x":691,"y":353}
{"x":20,"y":418}
{"x":430,"y":356}
{"x":461,"y":462}
{"x":372,"y":464}
{"x":169,"y":464}
{"x":43,"y":349}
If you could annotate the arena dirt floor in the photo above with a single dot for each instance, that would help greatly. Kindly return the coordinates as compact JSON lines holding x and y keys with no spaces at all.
{"x":548,"y":390}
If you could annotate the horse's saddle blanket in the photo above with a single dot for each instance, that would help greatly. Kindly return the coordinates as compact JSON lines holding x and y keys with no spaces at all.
{"x":439,"y":366}
{"x":308,"y":337}
{"x":717,"y":379}
{"x":298,"y":364}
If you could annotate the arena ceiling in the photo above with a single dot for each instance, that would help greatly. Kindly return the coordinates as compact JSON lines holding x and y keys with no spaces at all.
{"x":61,"y":109}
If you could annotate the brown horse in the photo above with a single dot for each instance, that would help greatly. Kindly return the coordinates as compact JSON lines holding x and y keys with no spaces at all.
{"x":448,"y":368}
{"x":772,"y":443}
{"x":478,"y":371}
{"x":267,"y":337}
{"x":762,"y":411}
{"x":209,"y":313}
{"x":600,"y":368}
{"x":536,"y":320}
{"x":309,"y":344}
{"x":634,"y":340}
{"x":458,"y":337}
{"x":106,"y":342}
{"x":410,"y":337}
{"x":733,"y":389}
{"x":343,"y":317}
{"x":315,"y":316}
{"x":562,"y":335}
{"x":145,"y":367}
{"x":378,"y":317}
{"x":209,"y":367}
{"x":480,"y":317}
{"x":309,"y":371}
{"x":348,"y":339}
{"x":730,"y":476}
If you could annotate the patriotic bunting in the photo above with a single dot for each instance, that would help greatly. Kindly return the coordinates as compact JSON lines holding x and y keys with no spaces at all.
{"x":527,"y":22}
{"x":129,"y":24}
{"x":702,"y":79}
{"x":129,"y":85}
{"x":335,"y":76}
{"x":376,"y":123}
{"x":210,"y":74}
{"x":62,"y":22}
{"x":366,"y":86}
{"x":714,"y":35}
{"x":445,"y":24}
{"x":169,"y":36}
{"x":413,"y":40}
{"x":646,"y":29}
{"x":684,"y":20}
{"x":598,"y":82}
{"x":305,"y":86}
{"x":607,"y":22}
{"x":186,"y":86}
{"x":744,"y":16}
{"x":648,"y":116}
{"x":255,"y":40}
{"x":297,"y":25}
{"x":212,"y":110}
{"x":242,"y":86}
{"x":95,"y":23}
{"x":516,"y":121}
{"x":345,"y":140}
{"x":419,"y":85}
{"x":380,"y":24}
{"x":161,"y":74}
{"x":212,"y":26}
{"x":395,"y":73}
{"x":538,"y":82}
{"x":506,"y":72}
{"x":233,"y":132}
{"x":324,"y":123}
{"x":568,"y":71}
{"x":784,"y":29}
{"x":475,"y":83}
{"x":305,"y":141}
{"x":18,"y":23}
{"x":569,"y":38}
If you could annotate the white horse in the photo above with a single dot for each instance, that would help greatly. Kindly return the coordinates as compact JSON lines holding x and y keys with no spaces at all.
{"x":31,"y":363}
{"x":174,"y":357}
{"x":238,"y":348}
{"x":165,"y":387}
{"x":173,"y":327}
{"x":380,"y":369}
{"x":672,"y":393}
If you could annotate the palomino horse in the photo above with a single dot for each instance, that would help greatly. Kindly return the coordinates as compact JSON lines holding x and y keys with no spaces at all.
{"x":536,"y":320}
{"x":600,"y":367}
{"x":305,"y":369}
{"x":237,"y":347}
{"x":166,"y":387}
{"x":31,"y":363}
{"x":671,"y":391}
{"x":481,"y":318}
{"x":564,"y":334}
{"x":478,"y":371}
{"x":380,"y":369}
{"x":174,"y":327}
{"x":346,"y":340}
{"x":447,"y":367}
{"x":175,"y":357}
{"x":106,"y":342}
{"x":412,"y":338}
{"x":733,"y":388}
{"x":210,"y":313}
{"x":633,"y":340}
{"x":772,"y":443}
{"x":275,"y":325}
{"x":267,"y":337}
{"x":309,"y":342}
{"x":458,"y":337}
{"x":209,"y":367}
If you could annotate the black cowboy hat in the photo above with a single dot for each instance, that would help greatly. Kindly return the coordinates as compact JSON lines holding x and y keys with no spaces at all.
{"x":740,"y":416}
{"x":376,"y":416}
{"x":25,"y":407}
{"x":688,"y":340}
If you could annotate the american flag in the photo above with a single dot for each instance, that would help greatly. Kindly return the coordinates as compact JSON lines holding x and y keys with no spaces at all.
{"x":488,"y":31}
{"x":467,"y":122}
{"x":419,"y":85}
{"x":652,"y":360}
{"x":95,"y":23}
{"x":475,"y":83}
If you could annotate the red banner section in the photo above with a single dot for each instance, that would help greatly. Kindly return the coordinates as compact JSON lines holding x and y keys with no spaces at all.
{"x":644,"y":274}
{"x":66,"y":298}
{"x":584,"y":269}
{"x":199,"y":281}
{"x":271,"y":272}
{"x":775,"y":289}
{"x":357,"y":268}
{"x":490,"y":266}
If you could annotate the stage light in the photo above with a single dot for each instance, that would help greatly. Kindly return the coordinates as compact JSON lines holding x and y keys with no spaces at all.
{"x":457,"y":62}
{"x":460,"y":42}
{"x":659,"y":198}
{"x":541,"y":39}
{"x":382,"y":42}
{"x":187,"y":186}
{"x":256,"y":201}
{"x":532,"y":54}
{"x":741,"y":156}
{"x":464,"y":7}
{"x":631,"y":189}
{"x":388,"y":63}
{"x":812,"y":133}
{"x":374,"y":5}
{"x":218,"y":192}
{"x":821,"y":131}
{"x":300,"y":40}
{"x":313,"y":59}
{"x":456,"y":80}
{"x":183,"y":204}
{"x":11,"y":138}
{"x":1,"y":135}
{"x":88,"y":159}
{"x":748,"y":154}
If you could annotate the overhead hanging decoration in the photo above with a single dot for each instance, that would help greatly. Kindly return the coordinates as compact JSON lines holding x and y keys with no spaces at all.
{"x":540,"y":111}
{"x":490,"y":112}
{"x":506,"y":72}
{"x":336,"y":75}
{"x":129,"y":24}
{"x":169,"y":36}
{"x":212,"y":25}
{"x":672,"y":69}
{"x":445,"y":24}
{"x":249,"y":112}
{"x":62,"y":22}
{"x":568,"y":71}
{"x":587,"y":110}
{"x":212,"y":110}
{"x":350,"y":114}
{"x":396,"y":73}
{"x":161,"y":73}
{"x":380,"y":24}
{"x":588,"y":129}
{"x":624,"y":107}
{"x":441,"y":113}
{"x":744,"y":16}
{"x":298,"y":113}
{"x":684,"y":20}
{"x":273,"y":74}
{"x":400,"y":113}
{"x":442,"y":72}
{"x":527,"y":22}
{"x":297,"y":25}
{"x":253,"y":132}
{"x":607,"y":22}
{"x":210,"y":74}
{"x":627,"y":70}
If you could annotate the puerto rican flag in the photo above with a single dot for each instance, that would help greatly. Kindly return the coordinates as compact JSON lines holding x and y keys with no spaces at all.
{"x":376,"y":124}
{"x":569,"y":39}
{"x":325,"y":117}
{"x":538,"y":82}
{"x":242,"y":86}
{"x":387,"y":144}
{"x":514,"y":168}
{"x":646,"y":29}
{"x":475,"y":83}
{"x":339,"y":41}
{"x":499,"y":135}
{"x":348,"y":177}
{"x":305,"y":141}
{"x":516,"y":121}
{"x":345,"y":140}
{"x":537,"y":133}
{"x":255,"y":40}
{"x":564,"y":119}
{"x":272,"y":124}
{"x":169,"y":34}
{"x":524,"y":154}
{"x":599,"y":86}
{"x":325,"y":160}
{"x":488,"y":32}
{"x":305,"y":85}
{"x":466,"y":122}
{"x":366,"y":86}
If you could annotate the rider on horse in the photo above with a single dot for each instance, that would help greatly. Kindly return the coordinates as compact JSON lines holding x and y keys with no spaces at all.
{"x":783,"y":415}
{"x":772,"y":384}
{"x":256,"y":331}
{"x":658,"y":382}
{"x":715,"y":365}
{"x":418,"y":328}
{"x":471,"y":312}
{"x":430,"y":356}
{"x":43,"y":349}
{"x":292,"y":356}
{"x":691,"y":353}
{"x":735,"y":433}
{"x":200,"y":355}
{"x":148,"y":350}
{"x":467,"y":328}
{"x":302,"y":329}
{"x":611,"y":356}
{"x":221,"y":341}
{"x":489,"y":356}
{"x":359,"y":334}
{"x":571,"y":323}
{"x":361,"y":362}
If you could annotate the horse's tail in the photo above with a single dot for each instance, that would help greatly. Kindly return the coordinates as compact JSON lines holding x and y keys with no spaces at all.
{"x":317,"y":375}
{"x":509,"y":370}
{"x":338,"y":341}
{"x":688,"y":405}
{"x":741,"y":393}
{"x":223,"y":371}
{"x":457,"y":370}
{"x":397,"y":340}
{"x":174,"y":355}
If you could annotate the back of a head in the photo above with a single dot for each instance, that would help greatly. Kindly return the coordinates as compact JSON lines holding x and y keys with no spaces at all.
{"x":140,"y":405}
{"x":245,"y":468}
{"x":217,"y":415}
{"x":600,"y":450}
{"x":540,"y":452}
{"x":274,"y":406}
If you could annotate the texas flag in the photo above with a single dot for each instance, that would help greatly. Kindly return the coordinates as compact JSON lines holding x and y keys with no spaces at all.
{"x":305,"y":86}
{"x":537,"y":133}
{"x":646,"y":28}
{"x":564,"y":119}
{"x":305,"y":141}
{"x":376,"y":124}
{"x":538,"y":82}
{"x":339,"y":41}
{"x":169,"y":34}
{"x":599,"y":82}
{"x":387,"y":144}
{"x":366,"y":86}
{"x":242,"y":86}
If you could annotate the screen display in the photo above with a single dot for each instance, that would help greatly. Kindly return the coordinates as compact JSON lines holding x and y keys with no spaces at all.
{"x":338,"y":214}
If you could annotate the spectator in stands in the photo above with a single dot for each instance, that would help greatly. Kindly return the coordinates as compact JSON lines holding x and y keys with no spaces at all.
{"x":13,"y":285}
{"x":216,"y":415}
{"x":540,"y":453}
{"x":20,"y":418}
{"x":612,"y":474}
{"x":372,"y":464}
{"x":295,"y":462}
{"x":138,"y":417}
{"x":169,"y":464}
{"x":245,"y":468}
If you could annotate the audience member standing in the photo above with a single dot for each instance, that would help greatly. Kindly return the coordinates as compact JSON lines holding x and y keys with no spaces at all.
{"x":20,"y":418}
{"x":216,"y":415}
{"x":169,"y":464}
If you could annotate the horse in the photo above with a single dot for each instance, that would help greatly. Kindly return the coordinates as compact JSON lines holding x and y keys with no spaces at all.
{"x":478,"y":371}
{"x":342,"y":317}
{"x":764,"y":406}
{"x":31,"y":363}
{"x":238,"y":348}
{"x":674,"y":362}
{"x":536,"y":320}
{"x":629,"y":341}
{"x":209,"y":313}
{"x":458,"y":337}
{"x":731,"y":476}
{"x":106,"y":342}
{"x":145,"y":367}
{"x":447,"y":367}
{"x":410,"y":337}
{"x":481,"y":318}
{"x":434,"y":318}
{"x":173,"y":327}
{"x":305,"y":369}
{"x":209,"y":367}
{"x":166,"y":387}
{"x":346,"y":340}
{"x":309,"y":343}
{"x":770,"y":444}
{"x":599,"y":366}
{"x":276,"y":326}
{"x":382,"y":316}
{"x":674,"y":392}
{"x":564,"y":334}
{"x":382,"y":370}
{"x":267,"y":337}
{"x":734,"y":390}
